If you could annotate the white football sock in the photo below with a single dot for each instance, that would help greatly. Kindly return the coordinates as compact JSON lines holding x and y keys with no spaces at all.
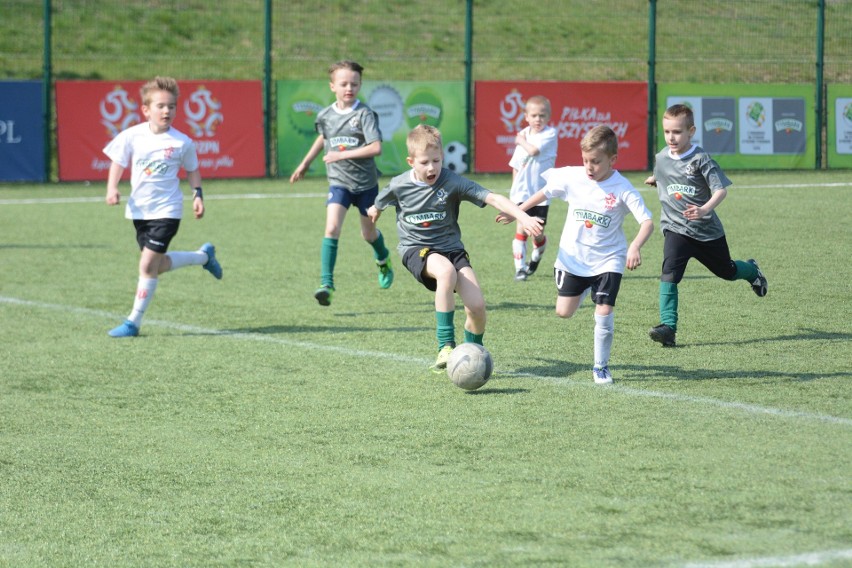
{"x":519,"y":251}
{"x":538,"y":251}
{"x":604,"y":328}
{"x":144,"y":293}
{"x":181,"y":259}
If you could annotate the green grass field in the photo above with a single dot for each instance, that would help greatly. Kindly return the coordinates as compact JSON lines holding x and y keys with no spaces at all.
{"x":248,"y":426}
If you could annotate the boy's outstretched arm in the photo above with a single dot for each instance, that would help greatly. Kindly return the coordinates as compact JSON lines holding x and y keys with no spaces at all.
{"x":531,"y":225}
{"x":534,"y":200}
{"x":314,"y":151}
{"x":634,"y":256}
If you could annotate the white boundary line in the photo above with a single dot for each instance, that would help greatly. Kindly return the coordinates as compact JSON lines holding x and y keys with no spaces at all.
{"x":808,"y":559}
{"x":631,"y":391}
{"x":212,"y":196}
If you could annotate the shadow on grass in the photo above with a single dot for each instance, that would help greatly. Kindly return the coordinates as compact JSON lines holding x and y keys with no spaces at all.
{"x":551,"y":368}
{"x":280,"y":329}
{"x":489,"y":390}
{"x":804,"y":335}
{"x":48,"y":247}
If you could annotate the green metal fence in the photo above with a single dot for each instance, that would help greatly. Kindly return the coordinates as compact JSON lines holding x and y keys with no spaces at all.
{"x":760,"y":41}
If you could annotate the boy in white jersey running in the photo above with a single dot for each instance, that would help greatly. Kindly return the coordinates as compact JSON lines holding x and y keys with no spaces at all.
{"x":155,"y":152}
{"x":593,"y":251}
{"x":349,"y":132}
{"x":427,"y":200}
{"x":535,"y":152}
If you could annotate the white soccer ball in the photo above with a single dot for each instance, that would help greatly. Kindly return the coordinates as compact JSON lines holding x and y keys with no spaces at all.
{"x":455,"y":157}
{"x":470,"y":366}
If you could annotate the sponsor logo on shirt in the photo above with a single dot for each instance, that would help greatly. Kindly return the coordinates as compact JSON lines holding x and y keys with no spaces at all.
{"x":151,"y":167}
{"x":343,"y":142}
{"x":425,"y":219}
{"x":678,"y":190}
{"x":590,"y":218}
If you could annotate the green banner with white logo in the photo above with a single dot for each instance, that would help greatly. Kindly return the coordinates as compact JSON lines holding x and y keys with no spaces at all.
{"x":748,"y":126}
{"x":839,"y":136}
{"x":400,"y":105}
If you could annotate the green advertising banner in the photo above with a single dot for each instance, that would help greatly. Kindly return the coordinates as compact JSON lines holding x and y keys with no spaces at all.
{"x":839,"y":140}
{"x":746,"y":126}
{"x":401,"y":105}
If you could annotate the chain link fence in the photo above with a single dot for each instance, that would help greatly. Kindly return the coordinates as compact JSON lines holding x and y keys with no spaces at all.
{"x":726,"y":41}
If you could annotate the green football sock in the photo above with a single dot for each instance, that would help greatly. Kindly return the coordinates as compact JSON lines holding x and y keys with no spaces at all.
{"x":380,"y":251}
{"x":668,"y":304}
{"x":745,"y":271}
{"x":328,"y":258}
{"x":470,"y":337}
{"x":446,"y":331}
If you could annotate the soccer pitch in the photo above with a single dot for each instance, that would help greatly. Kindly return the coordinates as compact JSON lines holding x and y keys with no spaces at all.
{"x":248,"y":426}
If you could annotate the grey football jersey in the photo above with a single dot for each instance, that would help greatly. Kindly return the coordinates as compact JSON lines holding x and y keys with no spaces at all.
{"x":357,"y":127}
{"x":686,"y":180}
{"x":427,"y":216}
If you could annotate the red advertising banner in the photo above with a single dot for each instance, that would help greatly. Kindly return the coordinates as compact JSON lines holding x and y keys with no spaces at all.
{"x":225,"y":118}
{"x":575,"y":108}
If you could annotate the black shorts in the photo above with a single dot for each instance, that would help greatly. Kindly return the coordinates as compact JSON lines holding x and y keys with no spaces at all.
{"x":678,"y":249}
{"x":155,"y":234}
{"x":414,"y":260}
{"x":539,"y":211}
{"x":604,"y":286}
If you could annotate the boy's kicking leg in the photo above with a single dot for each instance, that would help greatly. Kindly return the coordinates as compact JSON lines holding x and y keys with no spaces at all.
{"x":442,"y":270}
{"x":335,"y":213}
{"x":375,"y":239}
{"x":151,"y":265}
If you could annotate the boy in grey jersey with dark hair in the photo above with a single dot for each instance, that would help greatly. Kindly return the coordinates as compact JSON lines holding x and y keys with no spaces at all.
{"x":349,"y":133}
{"x":427,"y":200}
{"x":691,"y":185}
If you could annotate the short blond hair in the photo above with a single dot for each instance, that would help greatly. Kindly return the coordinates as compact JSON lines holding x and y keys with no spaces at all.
{"x":600,"y":136}
{"x":422,"y":137}
{"x":539,"y":100}
{"x":158,"y":84}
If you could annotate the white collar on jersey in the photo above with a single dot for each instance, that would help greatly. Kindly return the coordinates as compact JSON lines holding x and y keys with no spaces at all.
{"x":684,"y":155}
{"x":355,"y":105}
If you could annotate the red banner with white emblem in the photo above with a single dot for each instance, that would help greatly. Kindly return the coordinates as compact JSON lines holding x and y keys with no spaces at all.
{"x":575,"y":109}
{"x":225,"y":118}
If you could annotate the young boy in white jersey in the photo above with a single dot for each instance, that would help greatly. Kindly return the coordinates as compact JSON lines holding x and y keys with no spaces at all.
{"x":535,"y":153}
{"x":349,"y":132}
{"x":691,"y":185}
{"x":427,"y":200}
{"x":593,"y":251}
{"x":155,"y":152}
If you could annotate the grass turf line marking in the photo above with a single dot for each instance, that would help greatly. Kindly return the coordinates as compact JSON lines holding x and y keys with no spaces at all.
{"x":707,"y":401}
{"x":808,"y":559}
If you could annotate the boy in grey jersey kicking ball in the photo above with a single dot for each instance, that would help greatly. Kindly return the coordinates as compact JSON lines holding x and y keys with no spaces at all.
{"x":427,"y":200}
{"x":691,"y":185}
{"x":349,"y":133}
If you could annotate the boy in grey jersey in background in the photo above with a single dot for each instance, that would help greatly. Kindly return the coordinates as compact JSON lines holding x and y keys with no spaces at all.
{"x":691,"y":185}
{"x":427,"y":200}
{"x":349,"y":132}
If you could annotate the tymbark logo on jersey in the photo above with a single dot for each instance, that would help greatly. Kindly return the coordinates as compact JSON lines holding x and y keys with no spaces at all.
{"x":590,"y":218}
